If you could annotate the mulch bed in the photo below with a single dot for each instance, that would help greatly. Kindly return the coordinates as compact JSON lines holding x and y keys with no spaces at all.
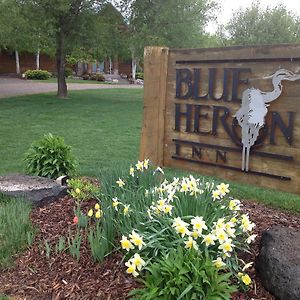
{"x":37,"y":277}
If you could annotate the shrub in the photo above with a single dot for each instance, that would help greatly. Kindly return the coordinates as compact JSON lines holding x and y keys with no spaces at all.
{"x":186,"y":275}
{"x":100,"y":77}
{"x":37,"y":74}
{"x":68,"y":72}
{"x":139,"y":75}
{"x":85,"y":76}
{"x":50,"y":157}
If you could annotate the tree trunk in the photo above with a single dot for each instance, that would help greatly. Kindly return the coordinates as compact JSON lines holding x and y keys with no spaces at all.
{"x":17,"y":62}
{"x":62,"y":90}
{"x":116,"y":65}
{"x":133,"y":65}
{"x":110,"y":65}
{"x":37,"y":59}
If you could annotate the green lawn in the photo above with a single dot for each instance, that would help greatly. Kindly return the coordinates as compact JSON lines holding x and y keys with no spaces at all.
{"x":102,"y":126}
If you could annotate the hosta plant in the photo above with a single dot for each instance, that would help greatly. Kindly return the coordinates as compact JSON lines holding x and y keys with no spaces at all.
{"x":50,"y":157}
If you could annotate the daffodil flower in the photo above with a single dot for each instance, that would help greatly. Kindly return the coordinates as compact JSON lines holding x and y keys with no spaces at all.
{"x":126,"y":244}
{"x":97,"y":206}
{"x":115,"y":203}
{"x":120,"y":182}
{"x":126,"y":209}
{"x":218,"y":263}
{"x":246,"y":279}
{"x":131,"y":171}
{"x":140,"y":166}
{"x":77,"y":191}
{"x":131,"y":269}
{"x":216,"y":194}
{"x":190,"y":243}
{"x":198,"y":224}
{"x":136,"y":239}
{"x":137,"y":261}
{"x":226,"y":246}
{"x":209,"y":239}
{"x":90,"y":213}
{"x":146,"y":164}
{"x":98,"y":214}
{"x":223,"y":188}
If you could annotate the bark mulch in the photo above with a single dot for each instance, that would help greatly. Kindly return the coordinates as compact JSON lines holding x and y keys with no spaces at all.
{"x":36,"y":277}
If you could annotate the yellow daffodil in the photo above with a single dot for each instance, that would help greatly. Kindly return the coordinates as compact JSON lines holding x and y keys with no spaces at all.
{"x":198,"y":224}
{"x":223,"y":189}
{"x":137,"y":261}
{"x":146,"y":164}
{"x":182,"y":230}
{"x":120,"y":182}
{"x":218,"y":263}
{"x":209,"y":239}
{"x":221,"y":236}
{"x":131,"y":269}
{"x":233,"y":220}
{"x":126,"y":210}
{"x":98,"y":214}
{"x":195,"y":234}
{"x":115,"y":203}
{"x":190,"y":243}
{"x":230,"y":231}
{"x":246,"y":224}
{"x":168,"y":209}
{"x":90,"y":213}
{"x":246,"y":279}
{"x":77,"y":191}
{"x":184,"y":187}
{"x":216,"y":194}
{"x":136,"y":239}
{"x":140,"y":166}
{"x":234,"y":205}
{"x":126,"y":244}
{"x":220,"y":225}
{"x":131,"y":171}
{"x":97,"y":206}
{"x":226,"y":246}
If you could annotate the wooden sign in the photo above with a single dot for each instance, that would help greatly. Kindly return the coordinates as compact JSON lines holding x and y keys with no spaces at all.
{"x":233,"y":113}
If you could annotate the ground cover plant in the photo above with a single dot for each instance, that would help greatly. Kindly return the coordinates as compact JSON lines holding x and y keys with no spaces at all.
{"x":111,"y":119}
{"x":16,"y":230}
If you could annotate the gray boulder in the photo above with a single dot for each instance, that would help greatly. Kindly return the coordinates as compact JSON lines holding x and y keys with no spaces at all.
{"x":38,"y":190}
{"x":278,"y":262}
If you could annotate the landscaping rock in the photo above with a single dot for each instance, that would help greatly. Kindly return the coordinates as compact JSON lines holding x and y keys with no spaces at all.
{"x":278,"y":262}
{"x":33,"y":188}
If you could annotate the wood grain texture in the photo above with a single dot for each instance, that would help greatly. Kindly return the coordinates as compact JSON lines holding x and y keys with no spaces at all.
{"x":273,"y":164}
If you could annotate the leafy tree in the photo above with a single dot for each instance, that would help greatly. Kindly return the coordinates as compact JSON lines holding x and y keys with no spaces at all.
{"x":70,"y":23}
{"x":171,"y":23}
{"x":255,"y":25}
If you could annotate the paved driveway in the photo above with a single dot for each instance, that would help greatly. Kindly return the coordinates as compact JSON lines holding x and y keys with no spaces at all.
{"x":10,"y":87}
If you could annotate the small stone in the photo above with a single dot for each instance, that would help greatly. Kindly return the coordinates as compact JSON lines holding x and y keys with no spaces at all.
{"x":32,"y":188}
{"x":278,"y":262}
{"x":62,"y":180}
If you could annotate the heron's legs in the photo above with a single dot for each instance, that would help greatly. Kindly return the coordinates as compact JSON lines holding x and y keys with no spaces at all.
{"x":243,"y":158}
{"x":247,"y":158}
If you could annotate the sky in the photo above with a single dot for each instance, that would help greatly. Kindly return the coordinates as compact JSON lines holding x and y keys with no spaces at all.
{"x":228,"y":6}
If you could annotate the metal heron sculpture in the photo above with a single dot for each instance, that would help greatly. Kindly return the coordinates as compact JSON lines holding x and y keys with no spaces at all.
{"x":251,"y":115}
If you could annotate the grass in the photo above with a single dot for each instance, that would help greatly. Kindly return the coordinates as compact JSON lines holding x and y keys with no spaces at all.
{"x":102,"y":126}
{"x":15,"y":228}
{"x":71,"y":80}
{"x":3,"y":297}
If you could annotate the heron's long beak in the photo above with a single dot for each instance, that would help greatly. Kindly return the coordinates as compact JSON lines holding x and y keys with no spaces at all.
{"x":268,"y":77}
{"x":294,"y":77}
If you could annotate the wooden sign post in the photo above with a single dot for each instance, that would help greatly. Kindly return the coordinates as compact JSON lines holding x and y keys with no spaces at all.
{"x":227,"y":112}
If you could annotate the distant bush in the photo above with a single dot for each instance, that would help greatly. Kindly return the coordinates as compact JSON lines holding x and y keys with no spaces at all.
{"x":37,"y":74}
{"x":68,"y":72}
{"x":50,"y":157}
{"x":94,"y":76}
{"x":100,"y":77}
{"x":139,"y":75}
